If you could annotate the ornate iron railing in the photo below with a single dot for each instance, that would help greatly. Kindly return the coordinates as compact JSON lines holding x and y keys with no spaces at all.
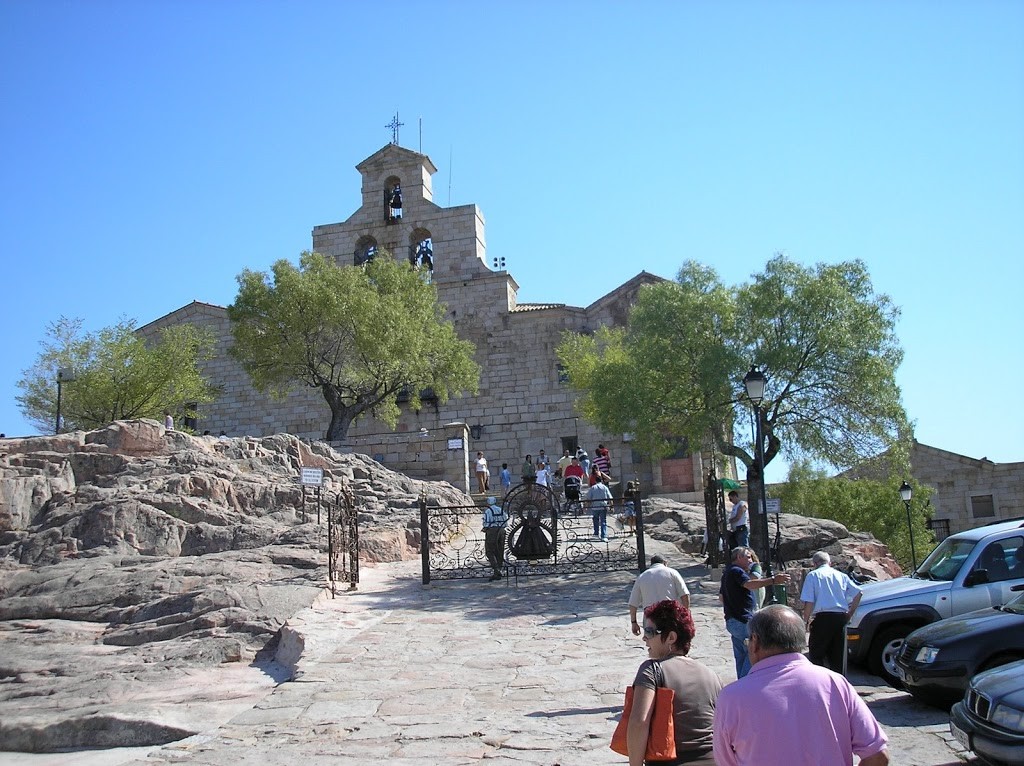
{"x":545,"y":535}
{"x":343,"y":540}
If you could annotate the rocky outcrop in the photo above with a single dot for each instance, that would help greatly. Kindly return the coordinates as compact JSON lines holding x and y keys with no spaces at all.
{"x":132,"y":558}
{"x":683,"y":525}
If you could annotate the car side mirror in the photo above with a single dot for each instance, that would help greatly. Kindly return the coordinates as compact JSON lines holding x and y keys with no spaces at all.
{"x":977,"y":577}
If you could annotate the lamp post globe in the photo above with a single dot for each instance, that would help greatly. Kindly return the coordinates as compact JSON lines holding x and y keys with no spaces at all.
{"x":754,"y":382}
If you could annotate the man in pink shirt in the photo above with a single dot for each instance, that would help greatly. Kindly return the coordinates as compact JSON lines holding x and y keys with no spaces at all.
{"x":788,"y":712}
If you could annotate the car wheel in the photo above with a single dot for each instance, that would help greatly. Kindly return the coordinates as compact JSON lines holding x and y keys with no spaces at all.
{"x":884,"y":650}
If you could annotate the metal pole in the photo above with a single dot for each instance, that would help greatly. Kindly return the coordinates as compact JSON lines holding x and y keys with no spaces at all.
{"x":56,"y":428}
{"x":424,"y":541}
{"x":910,"y":527}
{"x":638,"y":509}
{"x":766,"y":534}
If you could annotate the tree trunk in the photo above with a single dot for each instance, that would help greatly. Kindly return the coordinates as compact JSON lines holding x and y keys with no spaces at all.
{"x":754,"y":482}
{"x":342,"y":414}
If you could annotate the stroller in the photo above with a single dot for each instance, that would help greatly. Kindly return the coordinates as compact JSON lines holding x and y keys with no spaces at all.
{"x":572,"y":486}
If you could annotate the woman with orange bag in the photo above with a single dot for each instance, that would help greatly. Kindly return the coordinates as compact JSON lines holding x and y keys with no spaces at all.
{"x":668,"y":632}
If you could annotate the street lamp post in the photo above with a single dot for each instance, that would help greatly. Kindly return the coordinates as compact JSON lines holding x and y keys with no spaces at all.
{"x":754,"y":383}
{"x":907,"y":494}
{"x":64,"y":375}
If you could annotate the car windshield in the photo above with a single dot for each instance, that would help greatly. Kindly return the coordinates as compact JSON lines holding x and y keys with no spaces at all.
{"x":946,"y":560}
{"x":1015,"y":605}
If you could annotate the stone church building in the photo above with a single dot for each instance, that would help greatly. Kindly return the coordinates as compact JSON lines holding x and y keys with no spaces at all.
{"x":524,"y":404}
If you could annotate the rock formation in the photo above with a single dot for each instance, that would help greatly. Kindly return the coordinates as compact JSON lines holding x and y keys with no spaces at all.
{"x":132,"y":556}
{"x":683,"y":525}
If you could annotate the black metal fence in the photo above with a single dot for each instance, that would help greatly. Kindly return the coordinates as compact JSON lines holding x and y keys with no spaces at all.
{"x":546,"y":535}
{"x":343,"y":540}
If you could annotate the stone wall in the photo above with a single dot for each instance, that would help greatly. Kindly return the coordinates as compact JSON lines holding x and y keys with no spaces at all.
{"x":964,"y":485}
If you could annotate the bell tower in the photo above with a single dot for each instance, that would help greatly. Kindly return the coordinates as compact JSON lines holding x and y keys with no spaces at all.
{"x":398,"y":214}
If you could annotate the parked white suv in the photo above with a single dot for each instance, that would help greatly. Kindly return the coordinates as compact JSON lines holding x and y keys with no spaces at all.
{"x":969,"y":570}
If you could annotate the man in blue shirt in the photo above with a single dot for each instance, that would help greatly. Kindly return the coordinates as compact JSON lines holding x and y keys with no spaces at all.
{"x":737,"y":595}
{"x":830,"y":599}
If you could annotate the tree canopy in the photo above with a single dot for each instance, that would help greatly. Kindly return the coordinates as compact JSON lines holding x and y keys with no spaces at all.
{"x":117,"y":375}
{"x":363,"y":335}
{"x":823,"y":338}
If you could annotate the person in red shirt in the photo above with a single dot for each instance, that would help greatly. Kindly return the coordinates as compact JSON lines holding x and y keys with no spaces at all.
{"x":573,"y":479}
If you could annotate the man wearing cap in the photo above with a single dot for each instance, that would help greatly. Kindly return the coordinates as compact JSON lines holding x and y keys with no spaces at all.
{"x":495,"y":521}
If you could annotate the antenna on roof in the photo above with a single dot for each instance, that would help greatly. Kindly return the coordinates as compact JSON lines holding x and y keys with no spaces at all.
{"x":450,"y":151}
{"x":421,"y":135}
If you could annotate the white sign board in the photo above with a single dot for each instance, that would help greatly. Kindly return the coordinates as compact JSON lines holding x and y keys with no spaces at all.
{"x":311,"y":477}
{"x":455,"y":444}
{"x":774,"y":506}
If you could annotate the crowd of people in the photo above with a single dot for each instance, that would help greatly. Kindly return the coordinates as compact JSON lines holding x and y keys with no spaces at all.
{"x":574,"y":471}
{"x":785,"y":708}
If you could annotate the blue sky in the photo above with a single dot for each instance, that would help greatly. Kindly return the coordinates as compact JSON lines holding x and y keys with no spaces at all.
{"x":152,"y":150}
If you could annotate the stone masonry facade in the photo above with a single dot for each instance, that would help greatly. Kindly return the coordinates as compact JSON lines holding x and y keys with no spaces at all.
{"x":524,"y":404}
{"x":969,"y":492}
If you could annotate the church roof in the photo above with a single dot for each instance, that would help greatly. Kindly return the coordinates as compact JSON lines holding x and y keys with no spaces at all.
{"x":395,"y":154}
{"x":537,"y":307}
{"x":189,"y":309}
{"x":643,"y":278}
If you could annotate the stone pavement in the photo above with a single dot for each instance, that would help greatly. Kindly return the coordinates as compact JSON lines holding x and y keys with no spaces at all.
{"x":528,"y":673}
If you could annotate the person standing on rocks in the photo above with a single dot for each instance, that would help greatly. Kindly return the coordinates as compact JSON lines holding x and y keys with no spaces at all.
{"x":830,"y":599}
{"x":738,"y":522}
{"x":656,"y":583}
{"x":495,"y":523}
{"x":790,"y":712}
{"x":168,"y":421}
{"x":737,"y":594}
{"x":483,"y":477}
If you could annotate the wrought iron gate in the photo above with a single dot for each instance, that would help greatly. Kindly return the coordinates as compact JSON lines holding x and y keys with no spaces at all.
{"x":343,"y":539}
{"x":546,"y":535}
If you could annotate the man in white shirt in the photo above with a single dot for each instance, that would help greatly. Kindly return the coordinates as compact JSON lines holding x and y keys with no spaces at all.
{"x":656,"y":583}
{"x":738,"y":522}
{"x":830,"y":599}
{"x":483,"y":474}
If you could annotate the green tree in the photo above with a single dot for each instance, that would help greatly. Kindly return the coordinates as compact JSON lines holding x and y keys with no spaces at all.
{"x":823,"y":338}
{"x":118,"y":375}
{"x":868,"y":505}
{"x":360,"y":334}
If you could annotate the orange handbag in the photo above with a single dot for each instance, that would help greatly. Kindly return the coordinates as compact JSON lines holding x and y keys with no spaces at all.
{"x":661,"y":740}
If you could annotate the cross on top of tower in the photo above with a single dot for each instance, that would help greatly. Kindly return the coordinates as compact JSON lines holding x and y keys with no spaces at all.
{"x":394,"y":125}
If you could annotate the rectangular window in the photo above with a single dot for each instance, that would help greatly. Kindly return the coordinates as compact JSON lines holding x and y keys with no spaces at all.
{"x":563,"y":374}
{"x":939,"y":528}
{"x":982,"y":507}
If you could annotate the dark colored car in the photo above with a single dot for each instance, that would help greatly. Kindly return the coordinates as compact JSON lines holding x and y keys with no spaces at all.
{"x":989,"y":721}
{"x":937,"y":662}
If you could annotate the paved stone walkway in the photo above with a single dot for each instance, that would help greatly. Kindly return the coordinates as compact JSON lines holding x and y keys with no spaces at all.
{"x":527,"y":673}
